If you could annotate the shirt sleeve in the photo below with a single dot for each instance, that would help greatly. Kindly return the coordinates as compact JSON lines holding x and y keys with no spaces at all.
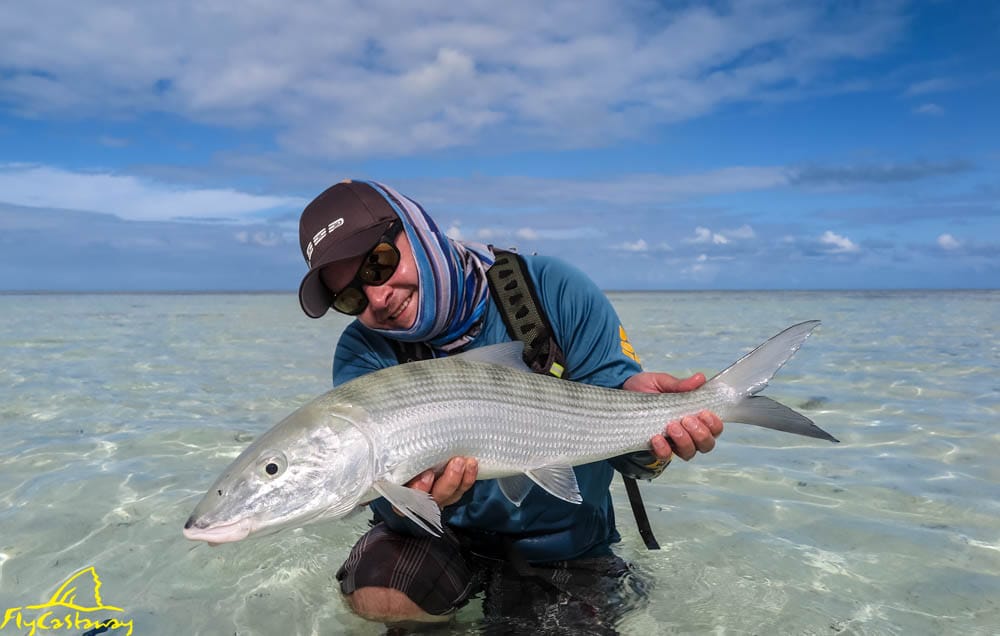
{"x":592,"y":338}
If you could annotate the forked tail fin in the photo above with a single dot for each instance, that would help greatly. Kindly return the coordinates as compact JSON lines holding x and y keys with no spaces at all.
{"x":751,"y":373}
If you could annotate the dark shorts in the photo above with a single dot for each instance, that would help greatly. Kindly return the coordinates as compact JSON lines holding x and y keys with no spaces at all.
{"x":442,"y":574}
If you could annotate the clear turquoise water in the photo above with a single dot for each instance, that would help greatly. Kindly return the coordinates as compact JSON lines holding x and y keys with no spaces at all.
{"x":117,"y":411}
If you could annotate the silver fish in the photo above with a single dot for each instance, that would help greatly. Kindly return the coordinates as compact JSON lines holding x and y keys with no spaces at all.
{"x":368,"y":437}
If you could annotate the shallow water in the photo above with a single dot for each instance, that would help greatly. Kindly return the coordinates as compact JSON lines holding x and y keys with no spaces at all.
{"x":117,"y":412}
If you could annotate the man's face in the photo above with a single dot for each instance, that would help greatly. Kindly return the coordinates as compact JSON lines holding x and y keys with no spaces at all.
{"x":392,"y":305}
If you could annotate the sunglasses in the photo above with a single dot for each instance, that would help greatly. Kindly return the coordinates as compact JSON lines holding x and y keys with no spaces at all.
{"x":378,"y":267}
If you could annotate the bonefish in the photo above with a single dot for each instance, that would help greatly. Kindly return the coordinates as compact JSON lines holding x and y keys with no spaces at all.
{"x":368,"y":437}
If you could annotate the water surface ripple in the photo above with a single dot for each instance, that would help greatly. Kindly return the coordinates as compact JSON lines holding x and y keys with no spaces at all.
{"x":117,"y":411}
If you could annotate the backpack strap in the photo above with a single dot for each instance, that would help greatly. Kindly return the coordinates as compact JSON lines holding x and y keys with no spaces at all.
{"x":522,"y":314}
{"x":411,"y":351}
{"x":521,"y":310}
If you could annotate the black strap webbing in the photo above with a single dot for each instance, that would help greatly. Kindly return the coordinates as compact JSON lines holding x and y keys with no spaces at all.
{"x":639,"y":512}
{"x":522,"y":313}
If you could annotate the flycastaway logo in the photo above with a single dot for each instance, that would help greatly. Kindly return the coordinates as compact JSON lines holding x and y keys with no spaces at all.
{"x":63,"y":612}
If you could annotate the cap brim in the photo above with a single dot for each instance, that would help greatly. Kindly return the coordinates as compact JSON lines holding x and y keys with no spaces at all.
{"x":314,"y":297}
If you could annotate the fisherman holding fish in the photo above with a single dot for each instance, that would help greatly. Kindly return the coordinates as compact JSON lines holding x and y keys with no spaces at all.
{"x":375,"y":254}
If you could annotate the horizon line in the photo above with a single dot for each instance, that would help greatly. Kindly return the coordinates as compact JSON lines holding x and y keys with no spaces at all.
{"x":264,"y":292}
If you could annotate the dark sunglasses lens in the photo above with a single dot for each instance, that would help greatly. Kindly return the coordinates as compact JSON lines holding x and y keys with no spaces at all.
{"x":380,"y":264}
{"x":351,"y":301}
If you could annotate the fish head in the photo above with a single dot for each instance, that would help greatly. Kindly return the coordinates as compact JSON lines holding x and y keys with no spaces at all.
{"x":315,"y":464}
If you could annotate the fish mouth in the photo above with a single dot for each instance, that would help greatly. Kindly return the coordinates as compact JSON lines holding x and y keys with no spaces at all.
{"x":215,"y":534}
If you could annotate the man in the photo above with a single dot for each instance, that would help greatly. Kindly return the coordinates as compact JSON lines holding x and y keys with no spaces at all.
{"x":377,"y":255}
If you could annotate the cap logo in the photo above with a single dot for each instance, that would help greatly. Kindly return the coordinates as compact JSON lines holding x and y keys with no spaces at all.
{"x":319,"y":236}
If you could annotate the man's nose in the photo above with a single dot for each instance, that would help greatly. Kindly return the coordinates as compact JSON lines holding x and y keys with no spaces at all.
{"x":378,"y":295}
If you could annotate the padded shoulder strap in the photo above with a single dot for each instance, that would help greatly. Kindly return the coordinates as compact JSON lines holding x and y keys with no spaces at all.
{"x":411,"y":351}
{"x":522,"y":313}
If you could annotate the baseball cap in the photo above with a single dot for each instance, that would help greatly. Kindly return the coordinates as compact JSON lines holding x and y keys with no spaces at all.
{"x":343,"y":222}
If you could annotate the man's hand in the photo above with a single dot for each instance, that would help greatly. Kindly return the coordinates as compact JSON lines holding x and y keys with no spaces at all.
{"x":693,"y":433}
{"x":449,"y":485}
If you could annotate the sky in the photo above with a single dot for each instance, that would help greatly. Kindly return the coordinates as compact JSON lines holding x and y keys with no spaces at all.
{"x":767,"y":144}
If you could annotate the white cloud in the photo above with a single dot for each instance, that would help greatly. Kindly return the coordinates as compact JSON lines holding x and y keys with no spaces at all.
{"x":637,"y":246}
{"x":929,"y":109}
{"x":644,"y":189}
{"x":935,"y":85}
{"x":264,"y":239}
{"x":743,"y":233}
{"x":352,"y":78}
{"x":704,"y":235}
{"x":130,"y":197}
{"x":487,"y":234}
{"x":702,"y":270}
{"x":838,"y":244}
{"x":455,"y":232}
{"x":113,"y":142}
{"x":948,"y":242}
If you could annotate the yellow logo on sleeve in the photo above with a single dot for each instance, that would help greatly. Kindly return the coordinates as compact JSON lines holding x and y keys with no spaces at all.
{"x":72,"y":606}
{"x":627,"y":347}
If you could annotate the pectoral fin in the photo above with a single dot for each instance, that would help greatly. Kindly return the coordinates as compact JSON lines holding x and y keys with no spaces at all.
{"x":416,"y":505}
{"x":558,"y":481}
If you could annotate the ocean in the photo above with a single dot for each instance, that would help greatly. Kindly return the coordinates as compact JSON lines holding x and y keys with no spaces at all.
{"x":118,"y":411}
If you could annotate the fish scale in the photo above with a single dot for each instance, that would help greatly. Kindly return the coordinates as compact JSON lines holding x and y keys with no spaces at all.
{"x":509,"y":420}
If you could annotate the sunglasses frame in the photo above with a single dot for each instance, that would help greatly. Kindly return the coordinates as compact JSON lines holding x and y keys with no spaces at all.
{"x":359,"y":297}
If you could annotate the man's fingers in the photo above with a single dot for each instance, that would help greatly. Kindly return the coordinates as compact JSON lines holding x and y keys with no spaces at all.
{"x":699,"y":431}
{"x":661,"y":447}
{"x":469,"y":478}
{"x":423,"y":481}
{"x":683,"y":445}
{"x":459,"y":475}
{"x":445,"y":485}
{"x":712,"y":421}
{"x":691,"y":383}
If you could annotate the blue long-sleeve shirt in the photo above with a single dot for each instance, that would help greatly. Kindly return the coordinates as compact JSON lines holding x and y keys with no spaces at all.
{"x":589,"y":332}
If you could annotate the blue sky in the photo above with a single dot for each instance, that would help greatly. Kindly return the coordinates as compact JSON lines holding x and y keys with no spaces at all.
{"x":656,"y":145}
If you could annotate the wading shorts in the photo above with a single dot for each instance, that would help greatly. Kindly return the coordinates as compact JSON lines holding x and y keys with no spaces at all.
{"x":440,"y":575}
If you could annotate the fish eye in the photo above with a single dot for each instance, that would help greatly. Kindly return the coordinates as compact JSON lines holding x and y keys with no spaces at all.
{"x":273,"y":465}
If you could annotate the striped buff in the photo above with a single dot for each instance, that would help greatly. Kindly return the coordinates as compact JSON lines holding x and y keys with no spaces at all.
{"x":451,"y":276}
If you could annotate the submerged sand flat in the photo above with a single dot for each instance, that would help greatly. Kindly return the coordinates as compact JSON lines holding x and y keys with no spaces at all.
{"x":118,"y":411}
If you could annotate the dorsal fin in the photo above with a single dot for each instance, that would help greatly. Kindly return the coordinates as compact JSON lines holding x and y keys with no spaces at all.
{"x":508,"y":354}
